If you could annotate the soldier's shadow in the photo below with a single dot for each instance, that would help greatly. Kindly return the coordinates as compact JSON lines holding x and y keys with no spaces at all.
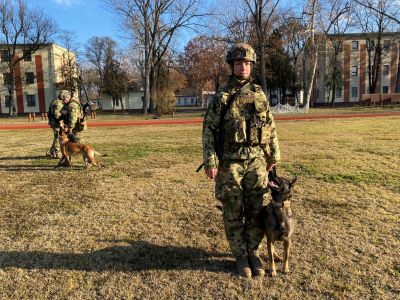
{"x":137,"y":256}
{"x":32,"y":167}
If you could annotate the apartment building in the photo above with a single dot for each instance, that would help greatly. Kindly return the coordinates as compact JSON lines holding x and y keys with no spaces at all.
{"x":36,"y":78}
{"x":354,"y":68}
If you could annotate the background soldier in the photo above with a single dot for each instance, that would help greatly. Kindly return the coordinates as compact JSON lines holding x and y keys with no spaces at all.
{"x":54,"y":118}
{"x":239,"y":129}
{"x":74,"y":120}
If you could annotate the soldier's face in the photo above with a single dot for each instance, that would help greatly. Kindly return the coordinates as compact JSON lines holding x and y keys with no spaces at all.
{"x":66,"y":99}
{"x":242,"y":68}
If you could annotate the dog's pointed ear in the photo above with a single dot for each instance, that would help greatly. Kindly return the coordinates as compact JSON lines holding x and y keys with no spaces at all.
{"x":293,"y":181}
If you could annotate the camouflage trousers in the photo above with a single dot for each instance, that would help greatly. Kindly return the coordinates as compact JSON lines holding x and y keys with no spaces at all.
{"x":240,"y":188}
{"x":55,"y":146}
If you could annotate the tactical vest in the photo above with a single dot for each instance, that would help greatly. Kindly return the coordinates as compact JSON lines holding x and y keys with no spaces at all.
{"x":247,"y":122}
{"x":51,"y":113}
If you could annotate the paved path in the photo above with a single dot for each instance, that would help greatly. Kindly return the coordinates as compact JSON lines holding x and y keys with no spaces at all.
{"x":200,"y":120}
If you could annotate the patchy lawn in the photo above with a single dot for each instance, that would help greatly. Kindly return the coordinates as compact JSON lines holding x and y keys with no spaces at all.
{"x":146,"y":226}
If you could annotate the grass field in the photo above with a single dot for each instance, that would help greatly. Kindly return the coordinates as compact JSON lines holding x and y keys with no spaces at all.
{"x":146,"y":226}
{"x":190,"y":112}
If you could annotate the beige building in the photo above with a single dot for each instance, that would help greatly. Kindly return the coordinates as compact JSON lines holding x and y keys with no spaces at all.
{"x":353,"y":60}
{"x":36,"y":78}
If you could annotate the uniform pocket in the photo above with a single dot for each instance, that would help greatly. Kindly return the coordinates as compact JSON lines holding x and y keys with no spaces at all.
{"x":265,"y":135}
{"x":240,"y":131}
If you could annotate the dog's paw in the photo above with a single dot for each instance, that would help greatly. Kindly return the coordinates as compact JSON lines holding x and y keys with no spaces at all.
{"x":273,"y":273}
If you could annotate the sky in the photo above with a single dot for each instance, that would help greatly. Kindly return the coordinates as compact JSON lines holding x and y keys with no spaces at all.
{"x":84,"y":18}
{"x":88,"y":18}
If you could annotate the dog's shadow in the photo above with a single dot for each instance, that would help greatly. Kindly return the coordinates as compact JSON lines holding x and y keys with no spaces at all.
{"x":136,"y":256}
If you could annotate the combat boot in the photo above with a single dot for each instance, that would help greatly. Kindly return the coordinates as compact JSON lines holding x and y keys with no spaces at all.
{"x":256,"y":265}
{"x":242,"y":266}
{"x":55,"y":154}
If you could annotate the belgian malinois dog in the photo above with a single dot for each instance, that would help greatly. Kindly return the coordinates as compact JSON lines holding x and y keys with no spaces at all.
{"x":276,"y":218}
{"x":69,"y":149}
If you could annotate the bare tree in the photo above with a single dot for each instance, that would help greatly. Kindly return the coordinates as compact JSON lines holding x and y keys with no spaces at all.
{"x":96,"y":51}
{"x":21,"y":28}
{"x":293,"y":31}
{"x":154,"y":23}
{"x":336,"y":21}
{"x":236,"y":25}
{"x":312,"y":52}
{"x":69,"y":68}
{"x":261,"y":12}
{"x":374,"y":23}
{"x":392,"y":14}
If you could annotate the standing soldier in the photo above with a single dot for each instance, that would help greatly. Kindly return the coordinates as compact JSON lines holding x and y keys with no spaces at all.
{"x":239,"y":129}
{"x":55,"y":117}
{"x":74,"y":120}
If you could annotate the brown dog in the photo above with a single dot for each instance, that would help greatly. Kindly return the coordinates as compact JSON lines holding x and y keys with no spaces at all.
{"x":276,"y":218}
{"x":69,"y":149}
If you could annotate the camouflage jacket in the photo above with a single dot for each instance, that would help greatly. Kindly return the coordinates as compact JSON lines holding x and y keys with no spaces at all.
{"x":248,"y":125}
{"x":75,"y":114}
{"x":54,"y":113}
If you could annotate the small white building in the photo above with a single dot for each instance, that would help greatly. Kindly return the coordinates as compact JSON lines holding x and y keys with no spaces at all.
{"x":132,"y":101}
{"x":187,"y":100}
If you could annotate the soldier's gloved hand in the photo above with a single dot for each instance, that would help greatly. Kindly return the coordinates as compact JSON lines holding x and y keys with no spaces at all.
{"x":211,"y":172}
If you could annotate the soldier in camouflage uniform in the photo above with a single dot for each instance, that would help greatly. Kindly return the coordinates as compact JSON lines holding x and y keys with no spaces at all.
{"x":250,"y":148}
{"x":74,"y":119}
{"x":55,"y":117}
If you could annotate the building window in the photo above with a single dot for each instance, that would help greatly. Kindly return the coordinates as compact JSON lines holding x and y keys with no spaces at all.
{"x":5,"y":55}
{"x":7,"y":101}
{"x":30,"y":100}
{"x":338,"y":93}
{"x":29,"y":77}
{"x":7,"y":78}
{"x":27,"y":55}
{"x":385,"y":89}
{"x":354,"y":71}
{"x":354,"y":45}
{"x":354,"y":92}
{"x":385,"y":70}
{"x":386,"y":45}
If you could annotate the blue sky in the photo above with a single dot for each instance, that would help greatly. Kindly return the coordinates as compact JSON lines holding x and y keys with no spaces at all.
{"x":84,"y":18}
{"x":87,"y":18}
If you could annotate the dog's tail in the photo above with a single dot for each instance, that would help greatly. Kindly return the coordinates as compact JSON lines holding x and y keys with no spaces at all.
{"x":99,"y":154}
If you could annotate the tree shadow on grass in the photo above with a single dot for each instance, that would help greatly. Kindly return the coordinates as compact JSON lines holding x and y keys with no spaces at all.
{"x":137,"y":256}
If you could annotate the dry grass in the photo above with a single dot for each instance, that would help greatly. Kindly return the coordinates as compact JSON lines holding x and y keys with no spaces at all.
{"x":145,"y":227}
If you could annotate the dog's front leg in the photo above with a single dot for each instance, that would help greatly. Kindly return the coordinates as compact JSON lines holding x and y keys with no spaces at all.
{"x":270,"y":247}
{"x":69,"y":160}
{"x":286,"y":248}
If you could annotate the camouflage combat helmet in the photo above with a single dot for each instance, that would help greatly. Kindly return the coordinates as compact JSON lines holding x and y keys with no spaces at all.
{"x":64,"y":94}
{"x":241,"y":51}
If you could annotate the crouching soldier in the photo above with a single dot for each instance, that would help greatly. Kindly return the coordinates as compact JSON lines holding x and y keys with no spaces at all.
{"x":239,"y":129}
